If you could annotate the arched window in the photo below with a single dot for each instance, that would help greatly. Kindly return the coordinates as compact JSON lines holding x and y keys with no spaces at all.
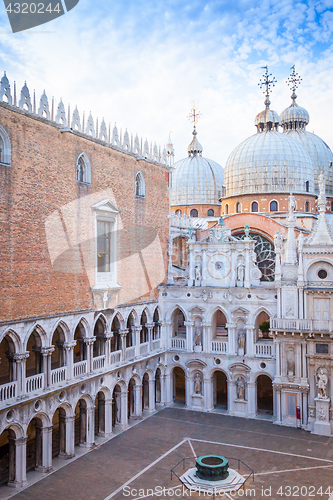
{"x":210,"y":213}
{"x":307,"y":186}
{"x":307,"y":206}
{"x":238,"y":208}
{"x":254,"y":206}
{"x":194,"y":212}
{"x":226,"y":209}
{"x":5,"y":148}
{"x":83,"y":169}
{"x":273,"y":206}
{"x":331,"y":206}
{"x":178,"y":212}
{"x":139,"y":185}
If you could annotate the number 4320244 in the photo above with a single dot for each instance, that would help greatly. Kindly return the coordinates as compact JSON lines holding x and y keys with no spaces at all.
{"x":32,"y":8}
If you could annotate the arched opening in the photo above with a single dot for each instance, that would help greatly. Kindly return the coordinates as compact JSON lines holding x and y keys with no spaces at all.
{"x":219,"y":328}
{"x":34,"y":363}
{"x":178,"y":212}
{"x":226,"y":209}
{"x":179,"y":252}
{"x":179,"y":385}
{"x":273,"y":206}
{"x":157,"y":325}
{"x":80,"y":349}
{"x":7,"y":363}
{"x":178,"y":326}
{"x":144,"y":329}
{"x":194,"y":212}
{"x":254,"y":206}
{"x":59,"y":433}
{"x":99,"y":333}
{"x":34,"y":445}
{"x":262,"y":326}
{"x":7,"y":457}
{"x":307,"y":186}
{"x":210,"y":213}
{"x":58,"y":356}
{"x":130,"y":337}
{"x":139,"y":185}
{"x":158,"y":386}
{"x":131,"y":398}
{"x":145,"y":392}
{"x":116,"y":405}
{"x":220,"y":390}
{"x":264,"y":395}
{"x":238,"y":208}
{"x":307,"y":206}
{"x":81,"y":423}
{"x":116,"y":338}
{"x":100,"y":414}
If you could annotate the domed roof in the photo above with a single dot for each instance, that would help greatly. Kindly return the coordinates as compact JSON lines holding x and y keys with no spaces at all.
{"x":196,"y":180}
{"x":294,"y":117}
{"x":267,"y":120}
{"x":269,"y":162}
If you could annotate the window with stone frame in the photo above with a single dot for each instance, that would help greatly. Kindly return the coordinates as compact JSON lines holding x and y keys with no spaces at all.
{"x":83,"y":169}
{"x":139,"y":185}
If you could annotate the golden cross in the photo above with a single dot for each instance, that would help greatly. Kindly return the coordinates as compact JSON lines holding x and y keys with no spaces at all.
{"x":194,"y":115}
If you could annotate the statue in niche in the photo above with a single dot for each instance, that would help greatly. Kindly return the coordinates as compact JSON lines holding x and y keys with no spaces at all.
{"x":197,"y":384}
{"x":240,"y":385}
{"x":241,"y":338}
{"x":290,"y":366}
{"x":278,"y":242}
{"x":322,"y":381}
{"x":197,"y":335}
{"x":240,"y":271}
{"x":197,"y":272}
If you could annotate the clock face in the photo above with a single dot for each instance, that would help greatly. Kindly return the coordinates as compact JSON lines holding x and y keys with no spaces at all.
{"x":219,"y":266}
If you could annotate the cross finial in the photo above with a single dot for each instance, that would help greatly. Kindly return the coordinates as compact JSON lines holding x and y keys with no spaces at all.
{"x":267,"y":82}
{"x":194,"y":115}
{"x":293,"y":81}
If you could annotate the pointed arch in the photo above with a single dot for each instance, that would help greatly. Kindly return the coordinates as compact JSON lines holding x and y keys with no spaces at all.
{"x":172,"y":309}
{"x":85,"y":325}
{"x":139,"y":185}
{"x":83,"y":169}
{"x":64,"y":327}
{"x":14,"y":338}
{"x":40,"y":332}
{"x":135,"y":317}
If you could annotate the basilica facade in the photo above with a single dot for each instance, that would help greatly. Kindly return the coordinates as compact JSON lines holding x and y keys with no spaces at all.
{"x":112,"y":309}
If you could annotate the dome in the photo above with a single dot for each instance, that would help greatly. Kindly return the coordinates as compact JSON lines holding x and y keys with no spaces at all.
{"x":267,"y":120}
{"x":294,"y":117}
{"x":269,"y":162}
{"x":196,"y":180}
{"x":320,"y":154}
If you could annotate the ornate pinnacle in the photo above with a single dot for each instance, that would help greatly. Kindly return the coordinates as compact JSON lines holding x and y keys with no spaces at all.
{"x":293,"y":81}
{"x":267,"y":82}
{"x":194,"y":115}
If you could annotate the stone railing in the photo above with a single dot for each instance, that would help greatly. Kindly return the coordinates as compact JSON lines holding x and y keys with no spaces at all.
{"x":177,"y":343}
{"x":220,"y":346}
{"x":144,"y":349}
{"x":8,"y":391}
{"x":302,"y":325}
{"x":115,"y":357}
{"x":34,"y":383}
{"x":156,"y":344}
{"x":130,"y":352}
{"x":80,"y":368}
{"x":264,"y":349}
{"x":99,"y":362}
{"x":58,"y":375}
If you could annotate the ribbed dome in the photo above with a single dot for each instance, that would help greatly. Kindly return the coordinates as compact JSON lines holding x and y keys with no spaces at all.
{"x":269,"y":162}
{"x":294,"y":117}
{"x":267,"y":120}
{"x":320,"y":154}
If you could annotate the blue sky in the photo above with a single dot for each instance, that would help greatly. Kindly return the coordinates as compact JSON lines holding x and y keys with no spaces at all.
{"x":142,"y":63}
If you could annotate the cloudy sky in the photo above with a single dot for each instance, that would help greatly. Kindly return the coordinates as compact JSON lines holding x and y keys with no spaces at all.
{"x":141,"y":64}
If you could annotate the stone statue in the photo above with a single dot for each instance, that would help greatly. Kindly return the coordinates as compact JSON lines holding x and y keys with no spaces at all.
{"x":197,"y":335}
{"x":241,"y":338}
{"x":278,"y":242}
{"x":322,"y":381}
{"x":291,"y":367}
{"x":240,"y":384}
{"x":321,"y":182}
{"x":300,"y":241}
{"x":197,"y":272}
{"x":197,"y":384}
{"x":240,"y":271}
{"x":247,"y":230}
{"x":292,"y":204}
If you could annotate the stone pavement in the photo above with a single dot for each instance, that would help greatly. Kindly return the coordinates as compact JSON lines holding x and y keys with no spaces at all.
{"x":287,"y":462}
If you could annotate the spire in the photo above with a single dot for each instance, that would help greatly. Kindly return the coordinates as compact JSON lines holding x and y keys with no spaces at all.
{"x":267,"y":119}
{"x":322,"y":233}
{"x":194,"y":147}
{"x":295,"y":117}
{"x":291,"y":241}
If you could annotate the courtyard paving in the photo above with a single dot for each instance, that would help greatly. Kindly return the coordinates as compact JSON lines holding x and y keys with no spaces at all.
{"x":287,"y":462}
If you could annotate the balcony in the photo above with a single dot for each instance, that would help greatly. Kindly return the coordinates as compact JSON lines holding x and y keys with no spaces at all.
{"x":8,"y":391}
{"x":34,"y":383}
{"x":99,"y":362}
{"x":177,"y":343}
{"x":156,"y":344}
{"x":302,"y":325}
{"x":130,"y":353}
{"x":144,"y":349}
{"x":264,"y":349}
{"x":58,"y":376}
{"x":80,"y":368}
{"x":115,"y":357}
{"x":219,"y":346}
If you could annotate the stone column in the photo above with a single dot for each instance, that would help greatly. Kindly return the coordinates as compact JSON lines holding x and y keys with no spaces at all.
{"x":101,"y":415}
{"x":70,"y":436}
{"x":136,"y":331}
{"x":298,"y":361}
{"x":169,"y":388}
{"x":69,"y":348}
{"x":247,"y":281}
{"x":90,"y":353}
{"x":231,"y":337}
{"x":208,"y":394}
{"x":305,"y":408}
{"x":46,"y":436}
{"x":301,"y":302}
{"x":108,"y":418}
{"x":204,"y":266}
{"x":231,"y":396}
{"x":123,"y":411}
{"x":90,"y":427}
{"x":163,"y":389}
{"x":188,"y":391}
{"x":189,"y":335}
{"x":249,"y":346}
{"x":123,"y":334}
{"x":20,"y":363}
{"x":151,"y":384}
{"x":251,"y":399}
{"x":138,"y":400}
{"x":18,"y":462}
{"x":117,"y":396}
{"x":277,"y":356}
{"x":150,"y":327}
{"x":304,"y":368}
{"x":167,"y":334}
{"x":278,"y":404}
{"x":46,"y":353}
{"x":108,"y":338}
{"x":207,"y":337}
